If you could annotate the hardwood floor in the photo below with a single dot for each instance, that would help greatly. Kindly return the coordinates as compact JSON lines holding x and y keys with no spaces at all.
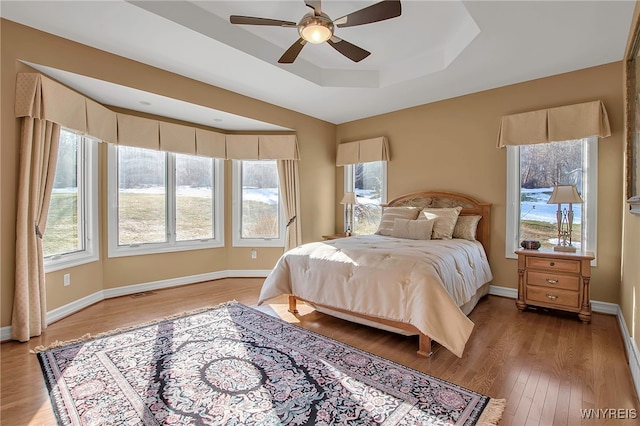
{"x":547,"y":365}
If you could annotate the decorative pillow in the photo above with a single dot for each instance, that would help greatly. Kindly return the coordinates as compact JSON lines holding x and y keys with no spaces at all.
{"x":389,"y":214}
{"x":412,"y":229}
{"x":445,"y":221}
{"x":466,"y":227}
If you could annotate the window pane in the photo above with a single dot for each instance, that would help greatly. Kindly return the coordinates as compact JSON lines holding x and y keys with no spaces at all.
{"x":368,"y":181}
{"x":541,"y":167}
{"x":260,"y":199}
{"x":62,"y":234}
{"x":194,"y":198}
{"x":141,"y":196}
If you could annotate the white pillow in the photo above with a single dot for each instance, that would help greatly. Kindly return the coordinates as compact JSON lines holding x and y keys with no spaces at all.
{"x":445,"y":221}
{"x":412,"y":229}
{"x":389,"y":214}
{"x":466,"y":227}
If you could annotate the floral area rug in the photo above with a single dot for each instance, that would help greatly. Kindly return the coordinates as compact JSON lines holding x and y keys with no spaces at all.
{"x":235,"y":365}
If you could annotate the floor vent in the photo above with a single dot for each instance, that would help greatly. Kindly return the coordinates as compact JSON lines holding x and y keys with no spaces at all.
{"x":142,"y":294}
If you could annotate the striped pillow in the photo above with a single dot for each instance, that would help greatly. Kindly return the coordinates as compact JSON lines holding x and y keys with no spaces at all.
{"x":390,"y":214}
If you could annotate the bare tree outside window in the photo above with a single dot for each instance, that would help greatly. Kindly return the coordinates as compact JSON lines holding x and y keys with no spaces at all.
{"x":63,"y":233}
{"x":541,"y":167}
{"x":260,"y":200}
{"x":368,"y":182}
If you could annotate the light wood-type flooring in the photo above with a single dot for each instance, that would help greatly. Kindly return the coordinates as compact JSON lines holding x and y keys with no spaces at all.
{"x":547,"y":365}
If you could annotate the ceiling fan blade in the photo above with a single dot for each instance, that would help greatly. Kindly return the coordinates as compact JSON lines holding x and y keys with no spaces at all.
{"x":351,"y":51}
{"x":381,"y":11}
{"x":250,"y":20}
{"x":316,"y":5}
{"x":292,"y":52}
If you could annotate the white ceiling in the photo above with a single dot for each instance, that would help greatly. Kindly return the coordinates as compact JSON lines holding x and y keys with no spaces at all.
{"x":435,"y":50}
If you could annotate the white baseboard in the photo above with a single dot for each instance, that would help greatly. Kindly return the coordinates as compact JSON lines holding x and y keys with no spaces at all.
{"x":511,"y":293}
{"x":632,"y":351}
{"x":605,"y":307}
{"x":75,"y":306}
{"x":158,"y":285}
{"x":5,"y":333}
{"x":254,"y":273}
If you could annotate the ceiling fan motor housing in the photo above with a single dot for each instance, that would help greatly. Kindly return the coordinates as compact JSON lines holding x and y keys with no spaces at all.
{"x":315,"y":28}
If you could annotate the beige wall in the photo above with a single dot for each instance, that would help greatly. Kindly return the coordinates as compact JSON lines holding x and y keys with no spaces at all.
{"x":317,"y":150}
{"x":451,"y":146}
{"x":448,"y":145}
{"x":630,"y":286}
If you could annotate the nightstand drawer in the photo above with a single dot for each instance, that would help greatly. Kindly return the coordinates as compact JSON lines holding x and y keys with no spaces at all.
{"x":544,"y":279}
{"x":560,"y":265}
{"x":550,"y":297}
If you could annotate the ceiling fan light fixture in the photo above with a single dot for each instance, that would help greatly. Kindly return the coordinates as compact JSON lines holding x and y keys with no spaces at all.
{"x":316,"y":29}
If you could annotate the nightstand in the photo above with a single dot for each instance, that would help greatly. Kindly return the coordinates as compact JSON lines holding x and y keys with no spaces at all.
{"x":557,"y":280}
{"x":336,"y":236}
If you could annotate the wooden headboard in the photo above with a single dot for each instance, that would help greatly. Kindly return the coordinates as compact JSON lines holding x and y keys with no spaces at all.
{"x":438,"y":199}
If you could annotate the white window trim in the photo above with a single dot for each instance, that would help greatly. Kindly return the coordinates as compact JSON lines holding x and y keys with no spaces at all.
{"x":237,"y":239}
{"x":349,"y":186}
{"x":590,"y":196}
{"x":88,"y":200}
{"x":171,"y":245}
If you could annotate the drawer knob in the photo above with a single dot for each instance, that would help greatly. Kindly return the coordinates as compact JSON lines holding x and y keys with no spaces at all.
{"x":552,"y":263}
{"x":552,"y":281}
{"x":551,"y":296}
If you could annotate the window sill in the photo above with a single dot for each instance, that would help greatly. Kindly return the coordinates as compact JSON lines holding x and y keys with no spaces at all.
{"x":69,"y":261}
{"x":258,"y":243}
{"x":143,"y":249}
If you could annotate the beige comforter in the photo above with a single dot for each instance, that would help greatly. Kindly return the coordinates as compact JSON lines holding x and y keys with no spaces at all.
{"x":422,"y":283}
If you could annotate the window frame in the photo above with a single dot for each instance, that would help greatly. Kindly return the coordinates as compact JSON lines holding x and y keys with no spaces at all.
{"x":88,"y":204}
{"x":171,"y":245}
{"x":237,"y":239}
{"x":349,"y":186}
{"x":589,"y":195}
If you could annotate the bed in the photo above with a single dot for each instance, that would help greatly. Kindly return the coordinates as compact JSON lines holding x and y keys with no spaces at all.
{"x":397,"y":281}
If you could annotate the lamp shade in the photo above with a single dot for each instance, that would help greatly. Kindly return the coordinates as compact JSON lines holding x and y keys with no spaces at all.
{"x":565,"y":194}
{"x":349,"y":198}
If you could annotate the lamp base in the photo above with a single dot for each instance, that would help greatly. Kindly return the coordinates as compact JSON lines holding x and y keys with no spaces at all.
{"x":570,"y":249}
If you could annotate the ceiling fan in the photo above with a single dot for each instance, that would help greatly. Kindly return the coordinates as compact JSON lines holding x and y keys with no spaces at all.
{"x":316,"y":27}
